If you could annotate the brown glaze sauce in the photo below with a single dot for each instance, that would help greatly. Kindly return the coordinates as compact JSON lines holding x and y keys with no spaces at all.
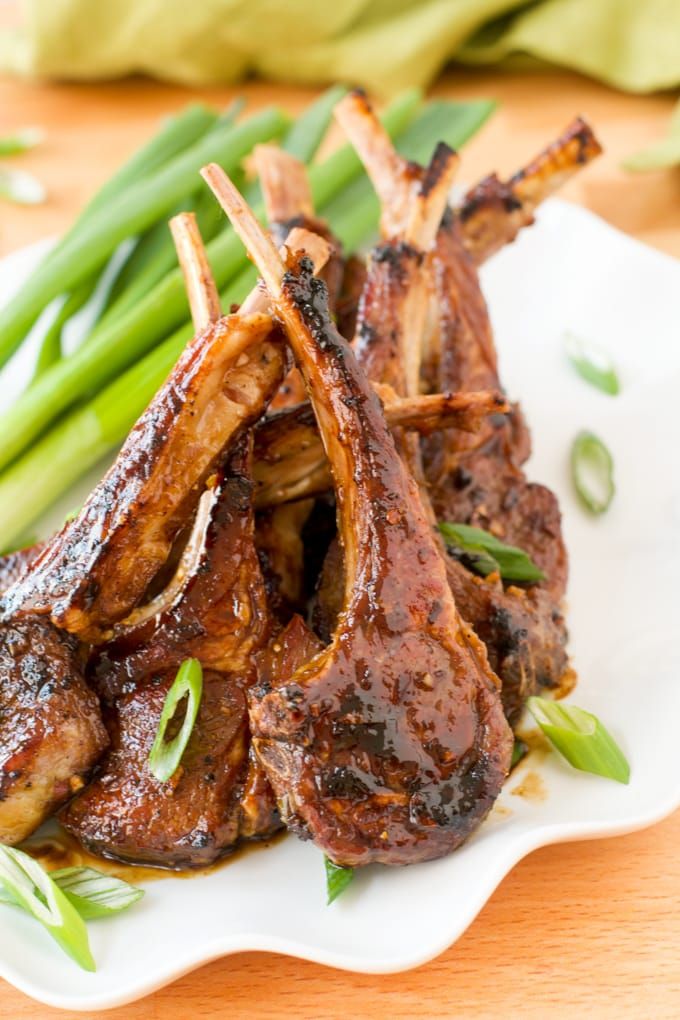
{"x":538,"y":744}
{"x":61,"y":850}
{"x":531,"y":787}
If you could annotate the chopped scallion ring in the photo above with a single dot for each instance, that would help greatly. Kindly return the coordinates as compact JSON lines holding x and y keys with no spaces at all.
{"x":593,"y":364}
{"x":581,"y":738}
{"x":165,"y":756}
{"x":592,"y":469}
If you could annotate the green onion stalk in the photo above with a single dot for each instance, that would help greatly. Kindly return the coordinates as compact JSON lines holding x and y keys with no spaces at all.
{"x":154,"y":256}
{"x":51,"y":346}
{"x":112,"y":347}
{"x":85,"y":435}
{"x":176,"y":135}
{"x":98,"y":235}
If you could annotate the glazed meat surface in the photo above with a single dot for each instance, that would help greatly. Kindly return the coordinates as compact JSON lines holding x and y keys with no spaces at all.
{"x":479,"y":480}
{"x":219,"y":616}
{"x":98,"y":567}
{"x":213,"y":609}
{"x":391,"y":744}
{"x":452,"y":347}
{"x":93,"y":573}
{"x":50,"y":724}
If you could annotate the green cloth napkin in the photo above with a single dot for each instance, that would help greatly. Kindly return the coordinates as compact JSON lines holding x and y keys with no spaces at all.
{"x":385,"y":45}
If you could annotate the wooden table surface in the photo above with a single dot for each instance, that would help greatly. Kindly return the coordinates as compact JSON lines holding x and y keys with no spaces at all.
{"x":587,"y":928}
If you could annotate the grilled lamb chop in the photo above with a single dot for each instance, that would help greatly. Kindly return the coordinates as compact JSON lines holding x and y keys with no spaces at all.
{"x":220,"y":617}
{"x":215,"y":610}
{"x":51,"y":732}
{"x":478,"y":480}
{"x":481,"y":482}
{"x":98,"y":567}
{"x":391,"y":744}
{"x":393,"y":307}
{"x":493,"y":212}
{"x":96,"y":570}
{"x":524,"y":630}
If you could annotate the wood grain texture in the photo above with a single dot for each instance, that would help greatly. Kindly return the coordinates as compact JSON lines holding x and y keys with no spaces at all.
{"x":582,"y":929}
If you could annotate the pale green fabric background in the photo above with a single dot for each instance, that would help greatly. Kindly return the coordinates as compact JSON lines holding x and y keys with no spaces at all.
{"x":384,"y":45}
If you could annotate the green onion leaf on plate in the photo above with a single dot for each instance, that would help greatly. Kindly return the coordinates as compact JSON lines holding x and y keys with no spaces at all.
{"x":165,"y":756}
{"x":20,"y":187}
{"x":21,"y":141}
{"x":593,"y":364}
{"x":581,"y":738}
{"x":95,"y":894}
{"x":91,"y":892}
{"x":32,"y":888}
{"x":337,"y":879}
{"x":592,"y":469}
{"x":486,"y":554}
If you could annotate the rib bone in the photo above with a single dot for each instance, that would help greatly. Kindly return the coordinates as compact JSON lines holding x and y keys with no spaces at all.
{"x":494,"y":211}
{"x":204,"y":301}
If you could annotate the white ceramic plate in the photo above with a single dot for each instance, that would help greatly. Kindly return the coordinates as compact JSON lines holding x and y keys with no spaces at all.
{"x":571,"y":271}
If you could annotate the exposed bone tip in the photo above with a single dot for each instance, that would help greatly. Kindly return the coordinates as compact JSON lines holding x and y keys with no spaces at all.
{"x":284,"y":183}
{"x":204,"y":300}
{"x":313,"y":245}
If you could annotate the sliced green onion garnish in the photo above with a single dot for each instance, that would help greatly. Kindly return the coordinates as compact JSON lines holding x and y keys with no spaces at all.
{"x":18,"y":186}
{"x":34,"y":890}
{"x":21,"y":141}
{"x":592,"y":469}
{"x":337,"y":879}
{"x":91,"y":892}
{"x":581,"y":738}
{"x":165,"y":755}
{"x":485,"y":554}
{"x":593,"y":364}
{"x":95,"y":894}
